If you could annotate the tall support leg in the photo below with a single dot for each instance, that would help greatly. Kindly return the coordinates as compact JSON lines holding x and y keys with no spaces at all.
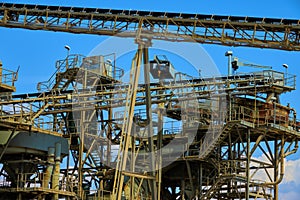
{"x":132,"y":164}
{"x":276,"y":162}
{"x":80,"y":192}
{"x":127,"y":125}
{"x":248,"y":164}
{"x":109,"y":136}
{"x":49,"y":169}
{"x":200,"y":178}
{"x":159,"y":151}
{"x":154,"y":190}
{"x":56,"y":171}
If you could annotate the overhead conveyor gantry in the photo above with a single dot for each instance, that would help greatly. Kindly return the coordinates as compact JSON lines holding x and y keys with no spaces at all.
{"x":257,"y":32}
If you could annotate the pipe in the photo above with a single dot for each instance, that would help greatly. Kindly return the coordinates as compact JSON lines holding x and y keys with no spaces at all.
{"x":56,"y":172}
{"x":49,"y":168}
{"x":292,"y":151}
{"x":281,"y":166}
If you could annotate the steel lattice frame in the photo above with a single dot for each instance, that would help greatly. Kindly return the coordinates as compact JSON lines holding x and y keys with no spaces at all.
{"x":212,"y":29}
{"x":222,"y":162}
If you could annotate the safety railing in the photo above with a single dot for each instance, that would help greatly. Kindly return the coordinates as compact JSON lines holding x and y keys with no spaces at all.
{"x":48,"y":123}
{"x":8,"y":77}
{"x":104,"y":65}
{"x":279,"y":116}
{"x":99,"y":194}
{"x":290,"y":80}
{"x":258,"y":187}
{"x":172,"y":128}
{"x":242,"y":113}
{"x":31,"y":181}
{"x":72,"y":61}
{"x":27,"y":114}
{"x":5,"y":182}
{"x":93,"y":64}
{"x":16,"y":112}
{"x":276,"y":78}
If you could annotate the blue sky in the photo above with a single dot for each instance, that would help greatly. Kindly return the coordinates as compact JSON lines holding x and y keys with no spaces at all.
{"x":37,"y":51}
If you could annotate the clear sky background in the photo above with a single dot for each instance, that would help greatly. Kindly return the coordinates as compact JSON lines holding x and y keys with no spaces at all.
{"x":37,"y":51}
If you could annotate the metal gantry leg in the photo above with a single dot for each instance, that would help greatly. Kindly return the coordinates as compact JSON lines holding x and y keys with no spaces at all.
{"x":248,"y":164}
{"x":154,"y":189}
{"x":127,"y":125}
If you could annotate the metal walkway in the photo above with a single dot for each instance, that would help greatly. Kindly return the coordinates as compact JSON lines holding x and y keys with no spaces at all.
{"x":212,"y":29}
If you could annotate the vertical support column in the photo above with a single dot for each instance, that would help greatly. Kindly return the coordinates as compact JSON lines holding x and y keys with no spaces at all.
{"x":248,"y":164}
{"x":190,"y":177}
{"x":80,"y":191}
{"x":159,"y":142}
{"x":132,"y":164}
{"x":49,"y":169}
{"x":109,"y":135}
{"x":56,"y":172}
{"x":230,"y":105}
{"x":68,"y":166}
{"x":200,"y":179}
{"x":128,"y":121}
{"x":182,"y":189}
{"x":276,"y":164}
{"x":154,"y":190}
{"x":159,"y":148}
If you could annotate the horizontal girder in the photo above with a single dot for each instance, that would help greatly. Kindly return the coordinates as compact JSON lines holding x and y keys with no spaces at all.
{"x":213,"y":29}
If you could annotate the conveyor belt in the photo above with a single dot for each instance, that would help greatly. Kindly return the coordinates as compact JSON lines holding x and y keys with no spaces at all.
{"x":258,"y":32}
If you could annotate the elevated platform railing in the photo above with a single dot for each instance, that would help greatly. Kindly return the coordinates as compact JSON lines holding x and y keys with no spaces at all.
{"x":104,"y":65}
{"x":290,"y":80}
{"x":34,"y":182}
{"x":71,"y":62}
{"x":99,"y":194}
{"x":172,"y":128}
{"x":219,"y":187}
{"x":8,"y":77}
{"x":5,"y":182}
{"x":16,"y":112}
{"x":265,"y":77}
{"x":264,"y":117}
{"x":98,"y":65}
{"x":277,"y":78}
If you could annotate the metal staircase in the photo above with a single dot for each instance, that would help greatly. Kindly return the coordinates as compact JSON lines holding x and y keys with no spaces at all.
{"x":211,"y":191}
{"x":213,"y":138}
{"x":66,"y":71}
{"x":221,"y":181}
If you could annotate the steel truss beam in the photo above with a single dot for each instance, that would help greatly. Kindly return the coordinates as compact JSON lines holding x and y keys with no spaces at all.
{"x":257,"y":32}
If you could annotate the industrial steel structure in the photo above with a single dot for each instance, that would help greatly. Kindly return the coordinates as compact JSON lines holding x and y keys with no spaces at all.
{"x":87,"y":134}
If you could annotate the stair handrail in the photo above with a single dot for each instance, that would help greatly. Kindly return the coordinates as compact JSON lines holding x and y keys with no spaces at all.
{"x":71,"y":61}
